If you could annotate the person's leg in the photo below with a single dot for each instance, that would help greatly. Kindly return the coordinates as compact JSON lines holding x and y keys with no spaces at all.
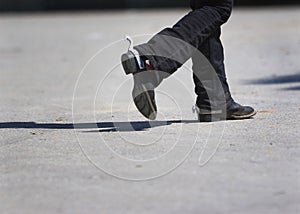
{"x":214,"y":101}
{"x":193,"y":29}
{"x":212,"y":49}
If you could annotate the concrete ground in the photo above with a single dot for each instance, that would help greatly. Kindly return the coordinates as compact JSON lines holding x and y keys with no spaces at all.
{"x":49,"y":81}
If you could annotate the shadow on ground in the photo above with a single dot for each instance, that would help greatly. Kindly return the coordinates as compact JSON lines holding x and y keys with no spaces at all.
{"x":292,"y":78}
{"x":102,"y":127}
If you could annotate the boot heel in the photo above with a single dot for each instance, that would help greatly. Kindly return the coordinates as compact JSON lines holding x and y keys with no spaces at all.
{"x":129,"y":63}
{"x":211,"y":117}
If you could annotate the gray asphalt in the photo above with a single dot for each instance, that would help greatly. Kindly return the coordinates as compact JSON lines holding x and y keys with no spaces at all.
{"x":49,"y":81}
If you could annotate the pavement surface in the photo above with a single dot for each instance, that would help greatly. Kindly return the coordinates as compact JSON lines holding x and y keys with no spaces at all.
{"x":62,"y":70}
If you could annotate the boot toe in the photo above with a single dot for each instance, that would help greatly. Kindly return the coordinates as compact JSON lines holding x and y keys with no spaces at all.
{"x":242,"y":112}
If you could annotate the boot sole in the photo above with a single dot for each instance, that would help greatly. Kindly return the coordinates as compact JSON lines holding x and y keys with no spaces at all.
{"x":218,"y":117}
{"x":243,"y":116}
{"x":144,"y":104}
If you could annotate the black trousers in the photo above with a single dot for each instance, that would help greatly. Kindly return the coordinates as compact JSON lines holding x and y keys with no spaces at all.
{"x":200,"y":28}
